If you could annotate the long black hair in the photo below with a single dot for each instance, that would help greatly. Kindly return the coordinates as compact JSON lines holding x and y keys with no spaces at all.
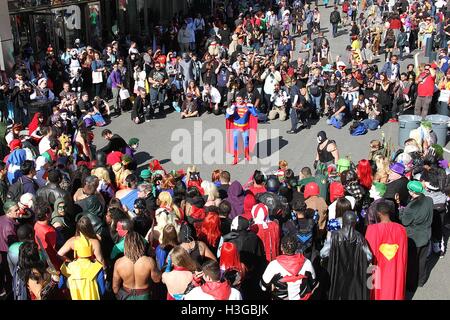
{"x":29,"y":260}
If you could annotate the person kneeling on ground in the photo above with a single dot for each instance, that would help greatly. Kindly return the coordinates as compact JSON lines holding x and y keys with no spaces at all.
{"x":335,"y":106}
{"x":279,"y":99}
{"x":189,"y":107}
{"x":373,"y":111}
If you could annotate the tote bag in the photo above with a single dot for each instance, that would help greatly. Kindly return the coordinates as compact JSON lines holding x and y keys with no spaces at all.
{"x":124,"y":94}
{"x":97,"y":77}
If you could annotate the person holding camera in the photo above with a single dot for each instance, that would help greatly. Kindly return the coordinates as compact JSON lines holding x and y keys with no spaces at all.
{"x":20,"y":98}
{"x":315,"y":87}
{"x":335,"y":109}
{"x":270,"y":77}
{"x":300,"y":110}
{"x":141,"y":107}
{"x":279,"y":99}
{"x":158,"y":80}
{"x":211,"y":98}
{"x":223,"y":72}
{"x":374,"y":113}
{"x":189,"y":107}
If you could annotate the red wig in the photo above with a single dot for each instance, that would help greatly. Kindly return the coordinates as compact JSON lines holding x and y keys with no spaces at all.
{"x":215,"y":176}
{"x":229,"y":257}
{"x":364,"y":171}
{"x":210,"y":229}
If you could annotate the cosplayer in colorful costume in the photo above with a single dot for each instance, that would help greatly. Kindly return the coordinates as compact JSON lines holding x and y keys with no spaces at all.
{"x":84,"y":276}
{"x":242,"y":119}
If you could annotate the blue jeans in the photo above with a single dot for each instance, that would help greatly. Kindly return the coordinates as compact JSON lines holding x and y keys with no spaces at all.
{"x":157,"y":96}
{"x":157,"y":100}
{"x":335,"y":29}
{"x":349,"y":99}
{"x":316,"y":101}
{"x":371,"y":124}
{"x":339,"y":118}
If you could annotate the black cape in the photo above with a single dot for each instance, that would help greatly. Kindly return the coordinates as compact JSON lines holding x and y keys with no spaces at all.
{"x":347,"y":267}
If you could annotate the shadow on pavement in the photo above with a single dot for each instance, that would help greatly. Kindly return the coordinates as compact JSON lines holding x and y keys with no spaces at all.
{"x":266,"y":147}
{"x":142,"y":156}
{"x":163,"y":161}
{"x":432,"y":260}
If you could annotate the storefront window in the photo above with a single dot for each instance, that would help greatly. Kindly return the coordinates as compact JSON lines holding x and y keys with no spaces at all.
{"x":20,"y":30}
{"x":95,"y":23}
{"x":141,"y":15}
{"x":68,"y":22}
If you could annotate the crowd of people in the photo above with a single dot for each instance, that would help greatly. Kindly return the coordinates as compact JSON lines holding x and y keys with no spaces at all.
{"x":102,"y":230}
{"x":86,"y":224}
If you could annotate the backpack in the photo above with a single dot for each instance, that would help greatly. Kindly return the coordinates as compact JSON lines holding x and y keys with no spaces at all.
{"x":15,"y":191}
{"x":19,"y":287}
{"x":358,"y":129}
{"x":334,"y":18}
{"x":315,"y":90}
{"x":336,"y":123}
{"x":109,"y":81}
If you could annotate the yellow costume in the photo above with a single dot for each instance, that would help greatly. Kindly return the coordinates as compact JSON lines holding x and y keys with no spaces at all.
{"x":82,"y":273}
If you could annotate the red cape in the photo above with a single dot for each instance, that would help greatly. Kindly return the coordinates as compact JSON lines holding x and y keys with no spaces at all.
{"x":252,"y":127}
{"x":270,"y":238}
{"x":389,"y":245}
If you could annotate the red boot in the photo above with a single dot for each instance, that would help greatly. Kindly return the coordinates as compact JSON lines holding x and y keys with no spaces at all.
{"x":235,"y":157}
{"x":247,"y":154}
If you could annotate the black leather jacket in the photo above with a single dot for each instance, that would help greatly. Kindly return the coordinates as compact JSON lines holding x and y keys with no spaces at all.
{"x":51,"y":192}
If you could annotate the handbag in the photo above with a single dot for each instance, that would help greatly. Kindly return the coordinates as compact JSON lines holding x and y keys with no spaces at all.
{"x":97,"y":77}
{"x":99,"y":120}
{"x":336,"y":123}
{"x":124,"y":94}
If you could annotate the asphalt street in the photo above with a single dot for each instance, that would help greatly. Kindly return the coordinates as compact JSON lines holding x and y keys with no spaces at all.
{"x":178,"y":143}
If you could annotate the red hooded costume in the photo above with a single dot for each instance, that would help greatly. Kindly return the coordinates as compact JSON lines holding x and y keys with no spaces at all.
{"x":267,"y":231}
{"x":389,"y":245}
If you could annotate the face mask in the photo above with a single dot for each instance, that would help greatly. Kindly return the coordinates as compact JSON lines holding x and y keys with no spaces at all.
{"x":319,"y":140}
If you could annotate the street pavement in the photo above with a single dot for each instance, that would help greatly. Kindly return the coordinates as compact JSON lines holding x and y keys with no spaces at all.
{"x":178,"y":143}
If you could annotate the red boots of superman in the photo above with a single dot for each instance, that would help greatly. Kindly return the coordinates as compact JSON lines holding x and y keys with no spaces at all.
{"x":247,"y":156}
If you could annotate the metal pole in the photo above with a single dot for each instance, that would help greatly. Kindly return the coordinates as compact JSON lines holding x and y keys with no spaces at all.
{"x":212,"y":7}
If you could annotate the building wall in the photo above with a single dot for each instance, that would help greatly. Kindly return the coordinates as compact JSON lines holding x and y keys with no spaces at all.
{"x":6,"y":39}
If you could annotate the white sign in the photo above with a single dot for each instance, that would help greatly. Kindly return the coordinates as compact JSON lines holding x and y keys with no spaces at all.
{"x":72,"y":16}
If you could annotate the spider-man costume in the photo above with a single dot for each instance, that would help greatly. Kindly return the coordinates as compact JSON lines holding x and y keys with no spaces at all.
{"x":241,"y":119}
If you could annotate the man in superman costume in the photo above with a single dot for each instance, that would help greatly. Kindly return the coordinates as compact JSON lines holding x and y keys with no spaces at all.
{"x":389,"y":244}
{"x":241,"y":119}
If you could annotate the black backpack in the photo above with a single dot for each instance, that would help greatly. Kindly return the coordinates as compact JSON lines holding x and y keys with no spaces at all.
{"x":334,"y":17}
{"x":15,"y":191}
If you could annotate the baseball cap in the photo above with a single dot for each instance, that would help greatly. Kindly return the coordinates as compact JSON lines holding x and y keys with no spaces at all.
{"x":8,"y":205}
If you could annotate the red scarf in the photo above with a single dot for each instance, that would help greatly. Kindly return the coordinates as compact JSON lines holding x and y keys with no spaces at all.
{"x":219,"y":290}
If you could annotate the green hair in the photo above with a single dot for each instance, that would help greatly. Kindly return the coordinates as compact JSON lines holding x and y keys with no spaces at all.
{"x":439,"y":151}
{"x":426,"y":124}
